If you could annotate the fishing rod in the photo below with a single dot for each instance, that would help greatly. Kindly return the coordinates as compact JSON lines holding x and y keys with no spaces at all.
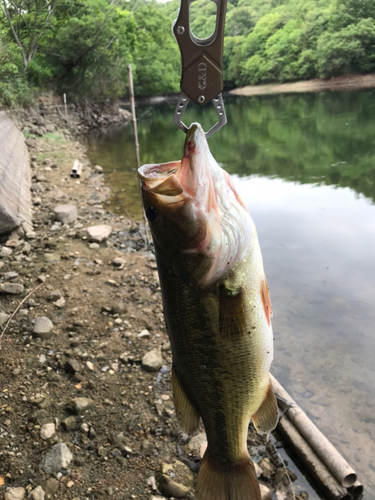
{"x":202,"y":65}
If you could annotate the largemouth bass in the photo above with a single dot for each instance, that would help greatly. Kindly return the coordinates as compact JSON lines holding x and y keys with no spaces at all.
{"x":217,"y":311}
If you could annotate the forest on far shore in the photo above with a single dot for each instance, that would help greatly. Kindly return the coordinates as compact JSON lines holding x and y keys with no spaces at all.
{"x":82,"y":47}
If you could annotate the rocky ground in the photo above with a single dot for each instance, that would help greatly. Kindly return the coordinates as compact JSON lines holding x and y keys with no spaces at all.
{"x":86,"y":407}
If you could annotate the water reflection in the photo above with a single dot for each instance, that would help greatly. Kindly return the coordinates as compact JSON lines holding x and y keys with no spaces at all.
{"x":305,"y":166}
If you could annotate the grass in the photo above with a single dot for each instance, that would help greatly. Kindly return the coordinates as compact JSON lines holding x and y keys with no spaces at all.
{"x":28,"y":135}
{"x":54,"y":137}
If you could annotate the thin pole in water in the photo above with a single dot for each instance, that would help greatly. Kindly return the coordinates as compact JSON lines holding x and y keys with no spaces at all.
{"x":136,"y":143}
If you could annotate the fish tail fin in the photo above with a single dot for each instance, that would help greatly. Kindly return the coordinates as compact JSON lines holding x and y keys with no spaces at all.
{"x":219,"y":482}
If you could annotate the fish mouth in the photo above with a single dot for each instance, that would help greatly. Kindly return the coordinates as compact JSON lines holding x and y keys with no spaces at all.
{"x":198,"y":208}
{"x":189,"y":178}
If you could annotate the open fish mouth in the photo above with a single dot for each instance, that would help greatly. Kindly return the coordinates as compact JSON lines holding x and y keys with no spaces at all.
{"x":189,"y":178}
{"x":197,"y":195}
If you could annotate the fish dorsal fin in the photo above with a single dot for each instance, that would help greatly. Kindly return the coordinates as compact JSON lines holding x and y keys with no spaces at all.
{"x":266,"y":417}
{"x":187,"y":416}
{"x":265,"y":294}
{"x":232,"y":312}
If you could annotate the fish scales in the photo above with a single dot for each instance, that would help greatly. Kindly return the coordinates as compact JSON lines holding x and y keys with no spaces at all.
{"x":222,"y":370}
{"x":217,"y":312}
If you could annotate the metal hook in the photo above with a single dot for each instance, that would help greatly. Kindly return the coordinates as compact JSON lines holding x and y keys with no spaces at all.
{"x":218,"y":104}
{"x":202,"y":61}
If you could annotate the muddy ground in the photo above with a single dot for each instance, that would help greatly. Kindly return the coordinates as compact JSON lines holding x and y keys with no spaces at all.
{"x":86,"y":407}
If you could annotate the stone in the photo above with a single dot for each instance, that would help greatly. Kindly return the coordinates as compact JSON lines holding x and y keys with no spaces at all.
{"x":5,"y":252}
{"x":118,"y":262}
{"x":98,"y":169}
{"x":14,"y":243}
{"x":119,"y":308}
{"x":11,"y":288}
{"x":42,"y":328}
{"x":65,"y":213}
{"x":98,"y":233}
{"x":50,"y":487}
{"x":15,"y":493}
{"x":36,"y":187}
{"x":180,"y":473}
{"x":56,"y":194}
{"x":280,"y":475}
{"x":267,"y":467}
{"x":152,"y":361}
{"x":85,"y":428}
{"x":143,"y":334}
{"x":47,"y":431}
{"x":198,"y":444}
{"x":37,"y":494}
{"x":90,"y":366}
{"x":102,"y":451}
{"x":61,"y":303}
{"x":30,"y":142}
{"x":72,"y":366}
{"x":80,"y":405}
{"x":10,"y":275}
{"x":70,"y":424}
{"x":258,"y":470}
{"x":3,"y":318}
{"x":265,"y":492}
{"x":170,"y":488}
{"x":57,"y":458}
{"x":55,"y":295}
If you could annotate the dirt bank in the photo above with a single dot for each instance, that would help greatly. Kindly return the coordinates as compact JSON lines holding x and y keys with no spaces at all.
{"x":78,"y":118}
{"x":86,"y":406}
{"x":347,"y":82}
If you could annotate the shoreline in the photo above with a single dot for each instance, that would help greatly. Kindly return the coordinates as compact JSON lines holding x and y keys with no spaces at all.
{"x":339,"y":83}
{"x":86,"y":359}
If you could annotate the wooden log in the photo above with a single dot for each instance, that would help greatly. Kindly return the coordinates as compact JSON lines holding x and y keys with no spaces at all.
{"x":318,"y":470}
{"x":339,"y":467}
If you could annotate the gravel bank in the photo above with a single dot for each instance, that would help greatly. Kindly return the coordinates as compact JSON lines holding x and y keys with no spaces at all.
{"x":86,"y":407}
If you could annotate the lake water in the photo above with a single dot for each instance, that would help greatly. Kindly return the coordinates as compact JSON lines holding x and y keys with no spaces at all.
{"x":305,"y":166}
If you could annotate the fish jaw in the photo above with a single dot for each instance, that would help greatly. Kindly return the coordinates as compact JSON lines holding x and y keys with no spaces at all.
{"x":201,"y":217}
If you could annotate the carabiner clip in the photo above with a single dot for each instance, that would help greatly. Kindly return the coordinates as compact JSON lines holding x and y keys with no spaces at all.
{"x":202,"y":65}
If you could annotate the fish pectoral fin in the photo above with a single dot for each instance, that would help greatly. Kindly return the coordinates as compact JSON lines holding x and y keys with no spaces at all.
{"x":187,"y":416}
{"x":232,"y":317}
{"x":266,"y":417}
{"x":265,"y":295}
{"x":226,"y":482}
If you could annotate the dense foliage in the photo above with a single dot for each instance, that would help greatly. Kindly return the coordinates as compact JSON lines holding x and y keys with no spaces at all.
{"x":83,"y":47}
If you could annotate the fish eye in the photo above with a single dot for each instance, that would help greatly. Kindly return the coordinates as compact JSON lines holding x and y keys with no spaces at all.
{"x":151,"y":213}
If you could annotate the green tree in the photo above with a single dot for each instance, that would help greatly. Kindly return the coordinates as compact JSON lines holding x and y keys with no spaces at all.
{"x":351,"y":50}
{"x":89,"y":48}
{"x":239,"y":22}
{"x":156,"y":55}
{"x":28,"y":20}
